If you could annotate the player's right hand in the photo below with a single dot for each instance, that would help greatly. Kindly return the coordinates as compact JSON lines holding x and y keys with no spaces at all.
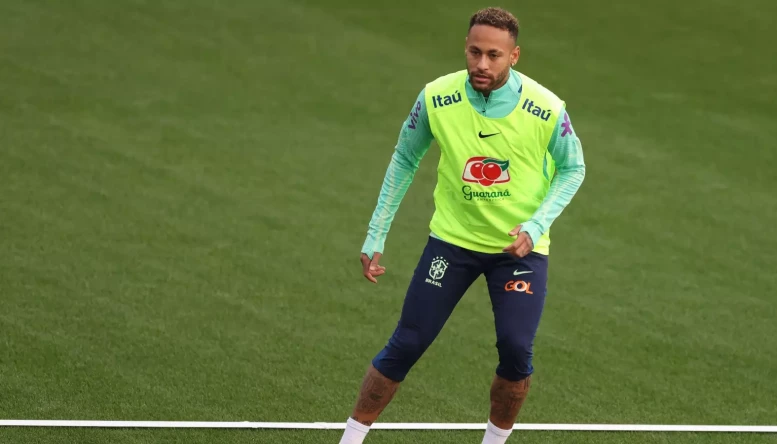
{"x":371,"y":268}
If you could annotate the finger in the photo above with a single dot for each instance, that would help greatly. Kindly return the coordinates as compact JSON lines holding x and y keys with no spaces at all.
{"x":374,"y":262}
{"x":519,"y":248}
{"x":512,"y":248}
{"x":370,"y":278}
{"x":369,"y":275}
{"x":515,"y":231}
{"x":377,"y":270}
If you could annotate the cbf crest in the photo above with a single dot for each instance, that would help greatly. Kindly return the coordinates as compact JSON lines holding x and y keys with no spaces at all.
{"x":437,"y":270}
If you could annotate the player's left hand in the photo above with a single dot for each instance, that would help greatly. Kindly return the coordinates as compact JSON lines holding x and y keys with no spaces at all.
{"x":522,"y":246}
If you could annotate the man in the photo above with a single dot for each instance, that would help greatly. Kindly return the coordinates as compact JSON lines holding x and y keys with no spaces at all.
{"x":510,"y":163}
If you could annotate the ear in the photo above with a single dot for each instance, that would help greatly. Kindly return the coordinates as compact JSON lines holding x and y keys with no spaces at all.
{"x":515,"y":55}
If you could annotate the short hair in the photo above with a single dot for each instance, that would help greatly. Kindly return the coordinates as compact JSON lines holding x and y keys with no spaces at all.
{"x":498,"y":18}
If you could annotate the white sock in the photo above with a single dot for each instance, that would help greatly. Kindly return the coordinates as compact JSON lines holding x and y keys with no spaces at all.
{"x":355,"y":432}
{"x":495,"y":435}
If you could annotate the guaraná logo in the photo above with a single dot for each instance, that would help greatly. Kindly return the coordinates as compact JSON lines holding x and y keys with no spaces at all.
{"x":486,"y":171}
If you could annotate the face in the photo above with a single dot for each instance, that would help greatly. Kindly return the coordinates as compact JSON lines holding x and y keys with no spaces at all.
{"x":490,"y":54}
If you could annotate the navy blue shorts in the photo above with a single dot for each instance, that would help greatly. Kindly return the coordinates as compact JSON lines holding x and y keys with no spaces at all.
{"x":517,"y":287}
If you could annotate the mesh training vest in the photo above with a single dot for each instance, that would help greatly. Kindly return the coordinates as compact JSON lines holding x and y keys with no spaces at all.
{"x":493,"y":172}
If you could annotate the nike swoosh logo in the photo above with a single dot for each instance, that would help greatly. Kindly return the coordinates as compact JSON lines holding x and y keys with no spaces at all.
{"x":517,"y":273}
{"x":483,"y":136}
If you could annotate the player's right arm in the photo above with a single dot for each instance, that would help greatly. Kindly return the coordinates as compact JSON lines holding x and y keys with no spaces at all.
{"x":414,"y":140}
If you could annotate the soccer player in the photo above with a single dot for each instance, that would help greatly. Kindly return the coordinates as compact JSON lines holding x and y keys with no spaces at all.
{"x":510,"y":162}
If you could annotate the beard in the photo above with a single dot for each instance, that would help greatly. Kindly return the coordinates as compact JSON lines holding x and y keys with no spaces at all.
{"x":493,"y":83}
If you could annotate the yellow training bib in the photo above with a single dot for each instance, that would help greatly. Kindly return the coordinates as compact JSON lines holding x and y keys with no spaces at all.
{"x":494,"y":172}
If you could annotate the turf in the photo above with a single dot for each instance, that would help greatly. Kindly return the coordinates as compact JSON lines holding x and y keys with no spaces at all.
{"x":186,"y":186}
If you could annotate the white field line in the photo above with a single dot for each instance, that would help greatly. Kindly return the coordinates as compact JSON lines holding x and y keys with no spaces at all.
{"x":388,"y":426}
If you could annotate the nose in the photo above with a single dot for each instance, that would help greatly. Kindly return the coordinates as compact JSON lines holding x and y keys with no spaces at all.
{"x":483,"y":63}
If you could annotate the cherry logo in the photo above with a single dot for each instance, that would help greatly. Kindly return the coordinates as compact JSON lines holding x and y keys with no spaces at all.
{"x":486,"y":171}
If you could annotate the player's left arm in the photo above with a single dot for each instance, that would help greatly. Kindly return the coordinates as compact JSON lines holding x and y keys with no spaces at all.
{"x":567,"y":152}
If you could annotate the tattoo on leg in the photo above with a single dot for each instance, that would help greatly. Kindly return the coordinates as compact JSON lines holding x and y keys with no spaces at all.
{"x":376,"y":392}
{"x":366,"y":422}
{"x":506,"y":400}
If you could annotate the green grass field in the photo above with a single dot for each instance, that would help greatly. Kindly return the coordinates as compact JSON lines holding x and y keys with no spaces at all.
{"x":185,"y":187}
